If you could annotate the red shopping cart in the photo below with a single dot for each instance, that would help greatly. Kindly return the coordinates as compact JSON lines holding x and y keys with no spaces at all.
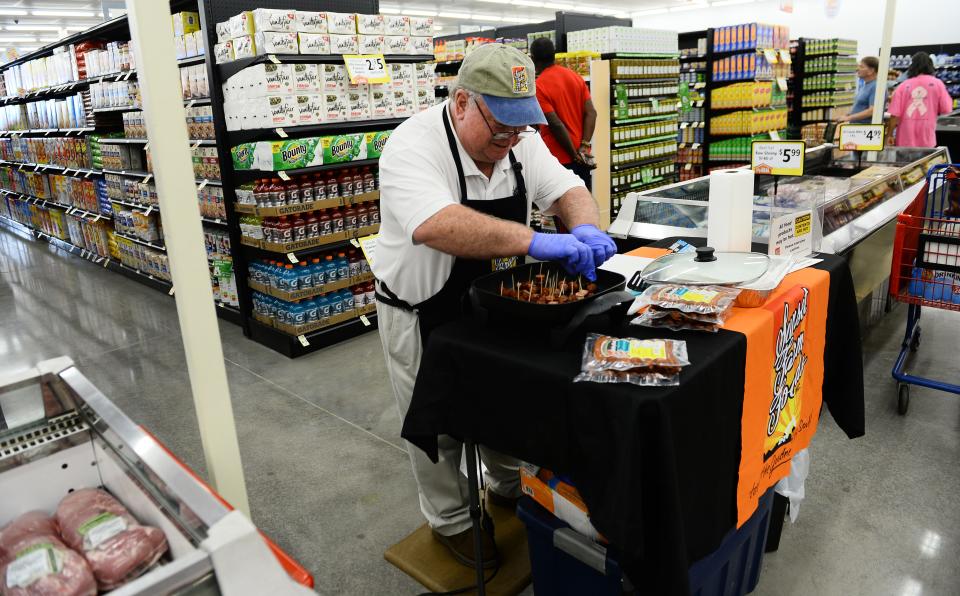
{"x":925,"y":270}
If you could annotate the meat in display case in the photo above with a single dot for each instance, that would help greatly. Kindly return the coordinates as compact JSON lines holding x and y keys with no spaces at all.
{"x":91,"y":501}
{"x":853,"y":195}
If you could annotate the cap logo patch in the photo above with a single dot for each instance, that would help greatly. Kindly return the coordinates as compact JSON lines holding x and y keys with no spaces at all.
{"x":520,"y":84}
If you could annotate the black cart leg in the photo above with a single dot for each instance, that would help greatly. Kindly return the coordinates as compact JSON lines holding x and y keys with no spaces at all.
{"x":474,"y":482}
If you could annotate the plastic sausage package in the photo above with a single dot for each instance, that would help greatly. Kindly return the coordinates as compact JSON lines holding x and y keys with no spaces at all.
{"x":701,"y":308}
{"x":644,"y":362}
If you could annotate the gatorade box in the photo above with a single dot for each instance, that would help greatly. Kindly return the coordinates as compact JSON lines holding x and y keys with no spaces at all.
{"x":343,"y":148}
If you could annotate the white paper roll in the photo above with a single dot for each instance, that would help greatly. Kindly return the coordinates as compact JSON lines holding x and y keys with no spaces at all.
{"x":730,"y":212}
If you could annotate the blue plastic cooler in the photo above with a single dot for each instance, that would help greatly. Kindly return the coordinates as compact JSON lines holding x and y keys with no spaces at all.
{"x":564,"y":562}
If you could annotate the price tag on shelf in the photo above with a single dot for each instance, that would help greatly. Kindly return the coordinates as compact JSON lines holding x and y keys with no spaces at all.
{"x":785,"y":56}
{"x":97,"y":218}
{"x":365,"y":320}
{"x":700,"y":124}
{"x":303,"y":340}
{"x":147,"y":178}
{"x":782,"y":83}
{"x":105,"y":263}
{"x":779,"y":158}
{"x":281,"y":133}
{"x":149,"y":210}
{"x":273,"y":59}
{"x":699,"y":103}
{"x":354,"y":242}
{"x":146,"y":147}
{"x":684,"y":124}
{"x":688,"y":167}
{"x":681,"y":145}
{"x":88,"y":174}
{"x":203,"y":184}
{"x":292,"y":258}
{"x":695,"y":146}
{"x":770,"y":55}
{"x":861,"y":137}
{"x":197,"y":144}
{"x":366,"y":68}
{"x":283,"y":175}
{"x":171,"y":291}
{"x":774,"y":135}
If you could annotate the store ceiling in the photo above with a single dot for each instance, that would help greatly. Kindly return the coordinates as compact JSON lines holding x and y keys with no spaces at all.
{"x":28,"y":24}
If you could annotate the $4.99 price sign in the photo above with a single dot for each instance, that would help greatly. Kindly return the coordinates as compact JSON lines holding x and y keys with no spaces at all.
{"x":779,"y":158}
{"x":366,"y":68}
{"x":861,"y":137}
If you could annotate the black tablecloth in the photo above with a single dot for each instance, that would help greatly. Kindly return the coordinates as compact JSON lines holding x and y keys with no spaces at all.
{"x":657,"y":467}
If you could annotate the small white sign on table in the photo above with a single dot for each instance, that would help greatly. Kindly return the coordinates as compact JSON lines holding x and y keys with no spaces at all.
{"x":791,"y":234}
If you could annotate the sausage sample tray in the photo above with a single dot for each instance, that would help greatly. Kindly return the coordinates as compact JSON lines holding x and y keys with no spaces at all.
{"x":59,"y":434}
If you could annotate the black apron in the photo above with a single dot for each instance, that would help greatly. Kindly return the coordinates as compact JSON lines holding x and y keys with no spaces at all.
{"x":448,"y":304}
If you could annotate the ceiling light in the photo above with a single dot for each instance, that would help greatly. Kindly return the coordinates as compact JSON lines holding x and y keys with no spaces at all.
{"x":527,"y":3}
{"x":645,"y":13}
{"x":455,"y":15}
{"x":689,"y":7}
{"x":18,"y":40}
{"x":419,"y":13}
{"x":49,"y":39}
{"x":32,"y":27}
{"x":558,"y":5}
{"x":13,"y":12}
{"x":517,"y":20}
{"x":731,"y":2}
{"x":495,"y":1}
{"x":486,"y":17}
{"x":63,"y":13}
{"x":390,"y":9}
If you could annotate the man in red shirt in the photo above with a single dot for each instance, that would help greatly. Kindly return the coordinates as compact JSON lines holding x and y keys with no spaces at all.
{"x":565,"y":101}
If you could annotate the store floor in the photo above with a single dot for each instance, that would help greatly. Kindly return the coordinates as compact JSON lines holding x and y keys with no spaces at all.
{"x":328,"y":476}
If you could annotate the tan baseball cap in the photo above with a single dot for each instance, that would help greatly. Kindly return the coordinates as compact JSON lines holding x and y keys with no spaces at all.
{"x":506,"y":79}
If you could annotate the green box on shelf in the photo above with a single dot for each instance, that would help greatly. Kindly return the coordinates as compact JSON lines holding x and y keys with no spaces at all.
{"x":290,"y":154}
{"x":243,"y":156}
{"x":375,"y":142}
{"x":344,"y":148}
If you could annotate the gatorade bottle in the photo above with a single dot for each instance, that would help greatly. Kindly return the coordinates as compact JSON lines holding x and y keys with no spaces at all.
{"x":319,"y":274}
{"x":333,"y":188}
{"x":326,"y":223}
{"x":280,"y":192}
{"x":374,"y":208}
{"x":283,"y":230}
{"x":305,"y":275}
{"x":313,"y":310}
{"x":283,"y":283}
{"x":299,"y":226}
{"x":346,"y":296}
{"x":358,"y":187}
{"x":359,"y":297}
{"x":298,"y":314}
{"x":292,"y":279}
{"x":319,"y":187}
{"x":336,"y":303}
{"x":331,"y":269}
{"x":343,"y":266}
{"x":370,"y":296}
{"x":323,"y":307}
{"x":293,"y":193}
{"x":363,"y":215}
{"x":364,"y":266}
{"x":345,"y":181}
{"x":313,"y":224}
{"x":350,"y":218}
{"x":353,"y":258}
{"x":272,"y":188}
{"x":369,"y":183}
{"x":306,"y":189}
{"x":336,"y":218}
{"x":260,"y":193}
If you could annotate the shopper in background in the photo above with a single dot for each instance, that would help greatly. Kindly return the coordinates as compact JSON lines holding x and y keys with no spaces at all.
{"x":916,"y":105}
{"x":571,"y":117}
{"x":862,"y":110}
{"x":456,"y":185}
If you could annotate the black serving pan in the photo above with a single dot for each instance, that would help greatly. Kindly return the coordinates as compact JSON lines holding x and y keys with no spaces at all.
{"x":485,"y":296}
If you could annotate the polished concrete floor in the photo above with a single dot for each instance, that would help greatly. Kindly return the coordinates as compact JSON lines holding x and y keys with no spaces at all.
{"x":329,"y":479}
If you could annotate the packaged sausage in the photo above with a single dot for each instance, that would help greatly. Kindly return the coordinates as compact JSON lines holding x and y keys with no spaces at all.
{"x":676,"y":307}
{"x":644,"y":362}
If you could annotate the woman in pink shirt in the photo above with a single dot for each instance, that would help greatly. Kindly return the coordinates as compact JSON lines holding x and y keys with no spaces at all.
{"x":916,"y":104}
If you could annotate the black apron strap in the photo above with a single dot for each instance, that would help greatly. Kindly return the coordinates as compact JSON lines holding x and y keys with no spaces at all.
{"x":456,"y":155}
{"x":389,"y":298}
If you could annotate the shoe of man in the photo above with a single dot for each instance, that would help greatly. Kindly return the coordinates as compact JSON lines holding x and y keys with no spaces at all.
{"x":508,"y":503}
{"x":461,"y":547}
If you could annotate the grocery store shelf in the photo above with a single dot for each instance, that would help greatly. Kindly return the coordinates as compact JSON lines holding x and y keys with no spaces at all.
{"x":191,"y":61}
{"x":123,"y":141}
{"x":135,"y":205}
{"x":660,"y":79}
{"x":291,"y":346}
{"x":117,"y":109}
{"x":197,"y":101}
{"x":142,"y":242}
{"x":643,"y":162}
{"x":130,"y":174}
{"x":615,"y":55}
{"x":46,"y":131}
{"x":246,"y":136}
{"x":70,"y":209}
{"x":664,"y":116}
{"x":644,"y":141}
{"x":634,"y":185}
{"x":42,"y":167}
{"x":215,"y":222}
{"x":248,"y":175}
{"x":229,"y":69}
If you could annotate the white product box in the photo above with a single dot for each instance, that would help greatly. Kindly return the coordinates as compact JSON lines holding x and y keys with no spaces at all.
{"x":277,"y":42}
{"x":381,"y":101}
{"x":309,"y":109}
{"x":271,"y":19}
{"x":223,"y":52}
{"x":342,"y":23}
{"x":424,"y":98}
{"x":421,"y":46}
{"x":395,"y":24}
{"x":370,"y":44}
{"x":370,"y":24}
{"x":343,"y":44}
{"x":314,"y":43}
{"x":190,"y":44}
{"x":244,"y":47}
{"x":180,"y":47}
{"x":223,"y":31}
{"x":358,"y":104}
{"x":283,"y":109}
{"x":333,"y":78}
{"x":398,"y":44}
{"x":241,"y":25}
{"x":277,"y":79}
{"x":334,"y":107}
{"x":403,"y":103}
{"x":306,"y":78}
{"x":421,"y":27}
{"x":424,"y":74}
{"x":200,"y":41}
{"x":311,"y":22}
{"x":402,"y":76}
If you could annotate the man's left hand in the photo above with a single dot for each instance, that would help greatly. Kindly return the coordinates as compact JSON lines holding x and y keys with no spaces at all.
{"x":601,"y":244}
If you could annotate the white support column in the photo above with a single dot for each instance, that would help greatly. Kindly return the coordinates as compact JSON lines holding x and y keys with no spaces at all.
{"x":159,"y":77}
{"x":881,"y":94}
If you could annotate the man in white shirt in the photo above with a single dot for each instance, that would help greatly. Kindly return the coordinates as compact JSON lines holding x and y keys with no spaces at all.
{"x":456,"y":185}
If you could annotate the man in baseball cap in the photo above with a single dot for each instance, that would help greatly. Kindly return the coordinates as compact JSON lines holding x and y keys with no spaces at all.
{"x":457,"y":182}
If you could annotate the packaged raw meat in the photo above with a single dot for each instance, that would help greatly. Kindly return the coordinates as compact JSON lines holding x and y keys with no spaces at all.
{"x":117,"y":548}
{"x":645,"y":362}
{"x":34,"y":562}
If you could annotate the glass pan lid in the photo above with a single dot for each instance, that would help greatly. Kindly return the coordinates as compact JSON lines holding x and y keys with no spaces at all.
{"x":707,"y":267}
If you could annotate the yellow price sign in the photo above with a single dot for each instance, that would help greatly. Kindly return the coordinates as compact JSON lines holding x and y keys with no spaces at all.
{"x":366,"y":68}
{"x":861,"y":137}
{"x":778,"y":158}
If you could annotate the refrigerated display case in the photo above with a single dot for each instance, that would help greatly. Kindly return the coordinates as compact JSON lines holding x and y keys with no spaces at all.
{"x":59,"y":433}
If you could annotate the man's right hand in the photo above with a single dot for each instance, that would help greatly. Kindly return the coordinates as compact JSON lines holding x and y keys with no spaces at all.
{"x":575,"y":256}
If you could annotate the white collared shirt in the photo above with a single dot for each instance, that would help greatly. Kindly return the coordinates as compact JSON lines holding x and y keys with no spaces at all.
{"x":418,"y":178}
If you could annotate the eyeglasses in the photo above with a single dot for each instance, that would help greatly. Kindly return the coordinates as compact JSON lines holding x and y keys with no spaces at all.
{"x":520,"y":133}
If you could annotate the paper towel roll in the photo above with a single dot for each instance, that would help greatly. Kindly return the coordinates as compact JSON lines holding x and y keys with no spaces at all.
{"x":730,"y":212}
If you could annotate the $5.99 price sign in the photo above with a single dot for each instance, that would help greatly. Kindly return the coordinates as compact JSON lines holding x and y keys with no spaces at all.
{"x":779,"y":158}
{"x":861,"y":137}
{"x":366,"y":68}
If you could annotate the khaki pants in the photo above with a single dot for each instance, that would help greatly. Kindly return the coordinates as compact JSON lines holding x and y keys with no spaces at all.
{"x":443,"y":488}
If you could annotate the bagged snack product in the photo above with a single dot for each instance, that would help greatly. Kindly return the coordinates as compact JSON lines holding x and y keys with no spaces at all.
{"x":35,"y":562}
{"x":117,"y":548}
{"x":644,"y":362}
{"x":700,"y":308}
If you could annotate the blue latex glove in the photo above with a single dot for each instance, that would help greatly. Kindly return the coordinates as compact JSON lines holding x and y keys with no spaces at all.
{"x":575,"y":256}
{"x":601,"y":244}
